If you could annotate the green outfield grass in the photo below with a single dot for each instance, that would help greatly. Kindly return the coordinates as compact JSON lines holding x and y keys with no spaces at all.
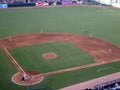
{"x":72,"y":19}
{"x":103,"y":23}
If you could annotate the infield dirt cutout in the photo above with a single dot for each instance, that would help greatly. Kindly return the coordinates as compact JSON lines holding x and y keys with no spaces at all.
{"x":50,"y":55}
{"x":101,"y":50}
{"x":32,"y":80}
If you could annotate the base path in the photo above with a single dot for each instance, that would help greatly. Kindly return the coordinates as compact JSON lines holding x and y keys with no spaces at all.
{"x":101,"y":50}
{"x":32,"y":80}
{"x":19,"y":78}
{"x":13,"y":61}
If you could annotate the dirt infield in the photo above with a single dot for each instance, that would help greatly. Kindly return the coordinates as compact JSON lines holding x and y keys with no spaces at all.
{"x":32,"y":80}
{"x":50,"y":55}
{"x":102,"y":51}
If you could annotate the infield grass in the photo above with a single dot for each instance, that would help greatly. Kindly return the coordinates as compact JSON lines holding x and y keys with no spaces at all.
{"x":30,"y":57}
{"x":101,"y":22}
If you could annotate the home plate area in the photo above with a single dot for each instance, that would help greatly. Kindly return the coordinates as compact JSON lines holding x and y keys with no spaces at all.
{"x":34,"y":78}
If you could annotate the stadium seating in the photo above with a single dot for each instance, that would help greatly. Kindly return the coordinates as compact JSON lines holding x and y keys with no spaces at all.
{"x":17,"y":1}
{"x":112,"y":85}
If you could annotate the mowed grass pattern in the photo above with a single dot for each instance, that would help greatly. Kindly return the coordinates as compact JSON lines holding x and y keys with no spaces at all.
{"x":30,"y":57}
{"x":101,"y":22}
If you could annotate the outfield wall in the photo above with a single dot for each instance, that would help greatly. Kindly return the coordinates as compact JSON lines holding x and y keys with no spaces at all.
{"x":108,"y":2}
{"x":3,"y":5}
{"x":115,"y":3}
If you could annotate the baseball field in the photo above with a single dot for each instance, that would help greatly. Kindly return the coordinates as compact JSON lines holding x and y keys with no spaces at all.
{"x":67,"y":45}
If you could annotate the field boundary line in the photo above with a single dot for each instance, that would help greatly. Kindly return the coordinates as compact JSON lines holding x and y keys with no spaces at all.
{"x":10,"y":57}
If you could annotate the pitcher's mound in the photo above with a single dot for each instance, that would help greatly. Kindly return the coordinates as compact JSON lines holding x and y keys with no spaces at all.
{"x":50,"y":55}
{"x":34,"y":78}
